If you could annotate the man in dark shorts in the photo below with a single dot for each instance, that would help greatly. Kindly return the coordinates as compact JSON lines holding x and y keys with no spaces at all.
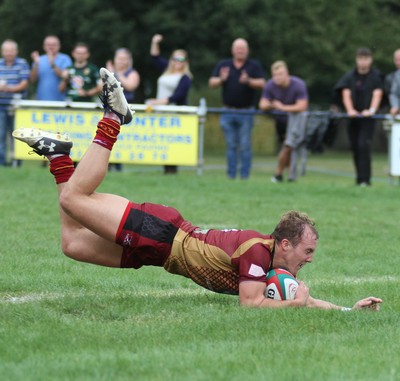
{"x":109,"y":230}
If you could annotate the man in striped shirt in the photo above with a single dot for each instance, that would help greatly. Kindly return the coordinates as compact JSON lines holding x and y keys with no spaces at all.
{"x":14,"y":79}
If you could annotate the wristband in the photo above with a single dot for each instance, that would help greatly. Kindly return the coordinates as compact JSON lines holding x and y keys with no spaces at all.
{"x":372,"y":110}
{"x":345,"y":309}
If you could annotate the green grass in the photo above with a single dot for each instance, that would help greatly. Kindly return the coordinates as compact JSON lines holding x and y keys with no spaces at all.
{"x":64,"y":320}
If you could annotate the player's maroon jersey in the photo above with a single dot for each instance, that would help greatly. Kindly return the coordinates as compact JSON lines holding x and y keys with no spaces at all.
{"x":215,"y":259}
{"x":219,"y":259}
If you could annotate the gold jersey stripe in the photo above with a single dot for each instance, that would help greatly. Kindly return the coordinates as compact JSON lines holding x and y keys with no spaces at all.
{"x":251,"y":242}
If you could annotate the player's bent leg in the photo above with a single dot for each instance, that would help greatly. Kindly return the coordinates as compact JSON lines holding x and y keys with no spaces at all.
{"x":83,"y":245}
{"x":100,"y":212}
{"x":94,"y":164}
{"x":79,"y":243}
{"x":80,"y":206}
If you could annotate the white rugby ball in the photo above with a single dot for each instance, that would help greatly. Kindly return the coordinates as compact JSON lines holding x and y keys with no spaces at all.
{"x":281,"y":285}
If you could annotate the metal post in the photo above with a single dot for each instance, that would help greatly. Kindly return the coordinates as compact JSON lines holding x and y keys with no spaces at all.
{"x":387,"y":127}
{"x":202,"y":113}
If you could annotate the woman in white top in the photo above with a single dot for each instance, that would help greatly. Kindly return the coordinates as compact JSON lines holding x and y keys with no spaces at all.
{"x":174,"y":84}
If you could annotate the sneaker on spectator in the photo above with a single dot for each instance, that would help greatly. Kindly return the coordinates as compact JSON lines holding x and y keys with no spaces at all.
{"x":277,"y":179}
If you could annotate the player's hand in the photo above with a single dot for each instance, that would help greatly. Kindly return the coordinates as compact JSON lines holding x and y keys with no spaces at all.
{"x":370,"y":303}
{"x":302,"y":294}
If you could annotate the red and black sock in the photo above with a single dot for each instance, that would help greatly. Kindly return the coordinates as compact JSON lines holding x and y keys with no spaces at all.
{"x":107,"y":133}
{"x":62,"y":168}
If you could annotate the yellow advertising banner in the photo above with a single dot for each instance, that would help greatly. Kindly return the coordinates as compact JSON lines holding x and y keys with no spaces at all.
{"x":151,"y":138}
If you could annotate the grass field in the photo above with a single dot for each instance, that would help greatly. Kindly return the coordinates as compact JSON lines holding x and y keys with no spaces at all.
{"x":64,"y":320}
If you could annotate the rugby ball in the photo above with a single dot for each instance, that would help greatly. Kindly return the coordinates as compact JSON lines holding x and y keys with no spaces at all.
{"x":281,"y":285}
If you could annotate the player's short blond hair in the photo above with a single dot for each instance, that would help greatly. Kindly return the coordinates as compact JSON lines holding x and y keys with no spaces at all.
{"x":292,"y":226}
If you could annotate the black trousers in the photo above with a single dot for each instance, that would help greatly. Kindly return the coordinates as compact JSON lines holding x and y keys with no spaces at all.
{"x":280,"y":126}
{"x":361,"y":132}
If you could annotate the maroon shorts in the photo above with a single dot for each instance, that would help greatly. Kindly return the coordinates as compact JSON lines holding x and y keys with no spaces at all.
{"x":146,"y":233}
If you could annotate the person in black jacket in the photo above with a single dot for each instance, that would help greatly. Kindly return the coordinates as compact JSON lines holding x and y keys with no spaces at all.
{"x":361,"y":92}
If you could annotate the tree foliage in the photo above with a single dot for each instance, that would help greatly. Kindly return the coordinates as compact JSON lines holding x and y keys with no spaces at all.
{"x":317,"y":38}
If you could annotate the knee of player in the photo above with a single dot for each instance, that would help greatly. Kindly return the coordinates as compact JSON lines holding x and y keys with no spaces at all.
{"x":66,"y":199}
{"x":68,"y":247}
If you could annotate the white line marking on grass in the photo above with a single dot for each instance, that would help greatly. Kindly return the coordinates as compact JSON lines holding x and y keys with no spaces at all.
{"x":38,"y":297}
{"x":28,"y":298}
{"x":167,"y":293}
{"x":355,"y":280}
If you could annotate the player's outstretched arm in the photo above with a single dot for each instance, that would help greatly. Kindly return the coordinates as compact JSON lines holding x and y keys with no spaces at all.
{"x":251,"y":294}
{"x":372,"y":303}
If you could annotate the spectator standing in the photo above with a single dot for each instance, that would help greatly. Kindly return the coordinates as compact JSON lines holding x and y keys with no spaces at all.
{"x":239,"y":77}
{"x":288,"y":94}
{"x":174,"y":84}
{"x":82,"y":79}
{"x":14,"y":80}
{"x":392,"y":85}
{"x":47,"y":70}
{"x":122,"y":67}
{"x":362,"y":91}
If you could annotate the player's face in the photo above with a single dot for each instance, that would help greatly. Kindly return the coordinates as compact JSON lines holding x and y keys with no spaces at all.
{"x":303,"y":253}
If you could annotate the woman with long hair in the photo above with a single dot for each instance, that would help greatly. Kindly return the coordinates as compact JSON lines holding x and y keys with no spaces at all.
{"x":174,"y":83}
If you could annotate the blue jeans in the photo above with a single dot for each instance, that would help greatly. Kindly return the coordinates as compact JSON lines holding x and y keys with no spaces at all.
{"x":6,"y":127}
{"x":237,"y":130}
